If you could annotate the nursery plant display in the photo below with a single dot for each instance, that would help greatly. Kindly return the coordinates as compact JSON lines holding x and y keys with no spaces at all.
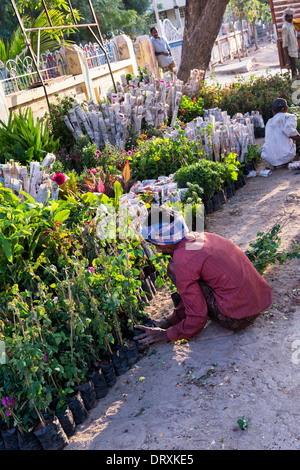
{"x":244,"y":96}
{"x":67,"y":299}
{"x":74,"y":280}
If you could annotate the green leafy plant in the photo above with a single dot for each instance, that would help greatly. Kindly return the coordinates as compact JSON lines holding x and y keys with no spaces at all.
{"x":206,"y":174}
{"x":244,"y":96}
{"x":190,"y":108}
{"x":253,"y":154}
{"x":23,"y":139}
{"x":162,"y":156}
{"x":264,"y":251}
{"x":242,"y":422}
{"x":66,"y":297}
{"x":56,"y":123}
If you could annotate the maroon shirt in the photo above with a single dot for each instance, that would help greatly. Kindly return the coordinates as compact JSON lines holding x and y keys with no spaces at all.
{"x":240,"y":291}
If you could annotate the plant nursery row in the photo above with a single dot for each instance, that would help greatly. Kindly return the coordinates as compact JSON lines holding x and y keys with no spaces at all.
{"x":72,"y":287}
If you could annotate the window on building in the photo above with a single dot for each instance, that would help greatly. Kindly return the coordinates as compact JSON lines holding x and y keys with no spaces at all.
{"x":182,"y":12}
{"x":163,"y":15}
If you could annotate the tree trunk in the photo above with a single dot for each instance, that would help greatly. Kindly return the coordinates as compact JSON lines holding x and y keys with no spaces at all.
{"x":203,"y":19}
{"x":255,"y":34}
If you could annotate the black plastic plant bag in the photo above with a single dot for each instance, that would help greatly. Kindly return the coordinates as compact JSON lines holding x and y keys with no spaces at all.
{"x":2,"y":446}
{"x":67,"y":421}
{"x":109,"y":374}
{"x":29,"y":441}
{"x":100,"y":385}
{"x":10,"y":439}
{"x":131,"y":353}
{"x":88,"y":394}
{"x":79,"y":411}
{"x":120,"y":362}
{"x":52,"y":436}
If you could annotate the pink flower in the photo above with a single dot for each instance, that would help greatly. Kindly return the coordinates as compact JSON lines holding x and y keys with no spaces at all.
{"x":91,"y":269}
{"x":45,"y":358}
{"x":129,"y":153}
{"x":9,"y":403}
{"x":59,"y":178}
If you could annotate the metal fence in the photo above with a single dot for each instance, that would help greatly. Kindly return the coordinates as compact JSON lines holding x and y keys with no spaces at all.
{"x":95,"y":55}
{"x":20,"y":74}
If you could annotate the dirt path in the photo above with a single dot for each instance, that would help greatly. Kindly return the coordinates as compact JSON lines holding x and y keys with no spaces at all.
{"x":190,"y":396}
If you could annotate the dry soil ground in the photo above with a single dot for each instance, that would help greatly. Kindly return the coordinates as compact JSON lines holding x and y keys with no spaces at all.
{"x":190,"y":396}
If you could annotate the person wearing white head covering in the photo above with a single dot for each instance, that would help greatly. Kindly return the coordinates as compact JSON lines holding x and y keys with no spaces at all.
{"x":281,"y":136}
{"x":290,"y":41}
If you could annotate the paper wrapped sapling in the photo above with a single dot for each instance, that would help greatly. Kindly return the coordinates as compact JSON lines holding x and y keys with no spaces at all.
{"x":217,"y":144}
{"x":82,"y":118}
{"x":94,"y":120}
{"x":176,"y":107}
{"x":102,"y":127}
{"x":24,"y":178}
{"x":44,"y":192}
{"x":123,"y":80}
{"x":48,"y":162}
{"x":70,"y":127}
{"x":74,"y":122}
{"x":35,"y":178}
{"x":138,"y":123}
{"x":91,"y":105}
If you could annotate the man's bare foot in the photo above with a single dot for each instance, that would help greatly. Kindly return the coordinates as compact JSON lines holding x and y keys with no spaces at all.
{"x":213,"y":331}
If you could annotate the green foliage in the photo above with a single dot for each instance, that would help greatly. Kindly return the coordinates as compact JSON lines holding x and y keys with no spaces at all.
{"x":253,"y":154}
{"x":11,"y":47}
{"x":66,"y":296}
{"x":190,"y":108}
{"x":244,"y":96}
{"x":209,"y":176}
{"x":163,"y":156}
{"x":264,"y":251}
{"x":193,"y":194}
{"x":111,"y":15}
{"x":242,"y":422}
{"x":22,"y":139}
{"x":56,"y":123}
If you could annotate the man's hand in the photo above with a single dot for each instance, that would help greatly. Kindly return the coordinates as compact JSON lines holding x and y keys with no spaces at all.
{"x":151,"y":335}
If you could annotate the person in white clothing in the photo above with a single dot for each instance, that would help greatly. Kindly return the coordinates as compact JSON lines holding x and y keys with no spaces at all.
{"x":162,"y":51}
{"x":281,"y":134}
{"x":290,"y":41}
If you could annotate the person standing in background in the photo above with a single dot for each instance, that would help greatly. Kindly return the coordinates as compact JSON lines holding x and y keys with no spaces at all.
{"x":162,"y":51}
{"x":290,"y":41}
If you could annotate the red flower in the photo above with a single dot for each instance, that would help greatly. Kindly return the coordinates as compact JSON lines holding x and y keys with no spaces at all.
{"x":59,"y":178}
{"x":182,"y":111}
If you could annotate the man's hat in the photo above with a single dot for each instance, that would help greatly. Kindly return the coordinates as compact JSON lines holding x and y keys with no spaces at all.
{"x":279,"y":105}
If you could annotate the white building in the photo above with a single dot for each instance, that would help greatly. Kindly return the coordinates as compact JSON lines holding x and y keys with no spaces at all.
{"x":167,"y":10}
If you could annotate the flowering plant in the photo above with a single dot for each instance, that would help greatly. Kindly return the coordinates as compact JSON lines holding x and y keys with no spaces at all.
{"x":59,"y":178}
{"x":190,"y":108}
